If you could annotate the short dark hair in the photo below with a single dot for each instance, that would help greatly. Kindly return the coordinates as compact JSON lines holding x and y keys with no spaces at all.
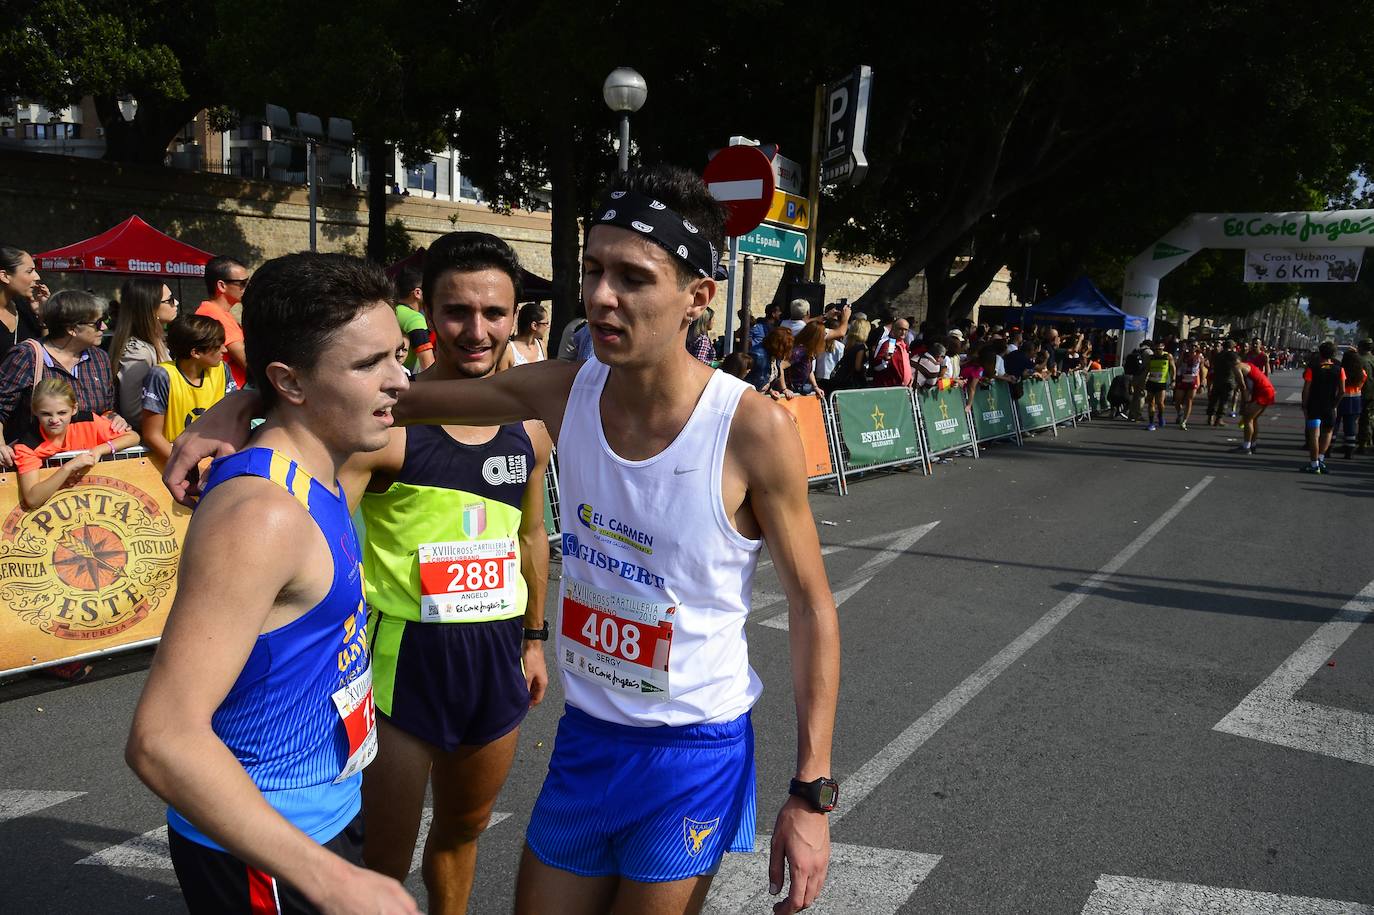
{"x":685,"y":193}
{"x":218,"y":268}
{"x":297,"y":302}
{"x":193,"y":332}
{"x":1327,"y":349}
{"x":468,"y":252}
{"x":68,"y":308}
{"x":408,"y":278}
{"x":528,"y":314}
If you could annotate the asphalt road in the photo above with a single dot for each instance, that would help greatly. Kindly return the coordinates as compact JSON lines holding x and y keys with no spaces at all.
{"x":1113,"y":671}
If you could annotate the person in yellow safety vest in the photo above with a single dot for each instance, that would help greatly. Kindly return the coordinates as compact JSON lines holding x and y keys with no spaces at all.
{"x":1160,"y":369}
{"x":177,"y":392}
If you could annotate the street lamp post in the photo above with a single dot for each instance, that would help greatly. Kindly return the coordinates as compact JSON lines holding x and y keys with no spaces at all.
{"x":1029,"y":236}
{"x":624,"y":91}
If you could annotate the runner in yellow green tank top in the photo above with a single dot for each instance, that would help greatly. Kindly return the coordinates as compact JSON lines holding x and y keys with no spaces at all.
{"x":456,"y":563}
{"x":1160,"y":369}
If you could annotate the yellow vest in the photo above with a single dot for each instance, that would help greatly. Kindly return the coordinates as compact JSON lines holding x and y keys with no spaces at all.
{"x":185,"y":401}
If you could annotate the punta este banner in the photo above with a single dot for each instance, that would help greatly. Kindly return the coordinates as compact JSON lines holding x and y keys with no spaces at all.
{"x":92,"y":570}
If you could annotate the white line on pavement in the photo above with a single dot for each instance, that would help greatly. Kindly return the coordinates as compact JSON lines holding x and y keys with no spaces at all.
{"x":872,"y":773}
{"x":150,"y":850}
{"x":831,"y":549}
{"x":1133,"y":896}
{"x":875,"y":881}
{"x":1272,"y":714}
{"x":901,"y":542}
{"x":18,"y":802}
{"x":1295,"y":397}
{"x":428,"y":817}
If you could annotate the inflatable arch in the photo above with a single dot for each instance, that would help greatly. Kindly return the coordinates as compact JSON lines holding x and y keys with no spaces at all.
{"x":1140,"y":291}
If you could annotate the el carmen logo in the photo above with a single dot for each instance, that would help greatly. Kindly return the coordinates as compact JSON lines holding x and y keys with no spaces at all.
{"x":91,"y":563}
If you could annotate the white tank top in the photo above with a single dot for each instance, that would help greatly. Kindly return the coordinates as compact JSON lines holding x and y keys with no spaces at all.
{"x":519,"y":358}
{"x":656,"y":580}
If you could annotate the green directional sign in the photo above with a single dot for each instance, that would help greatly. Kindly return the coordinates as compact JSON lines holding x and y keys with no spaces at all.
{"x":777,"y":243}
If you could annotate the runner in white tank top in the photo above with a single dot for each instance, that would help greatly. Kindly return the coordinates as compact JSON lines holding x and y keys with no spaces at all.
{"x":623,"y":556}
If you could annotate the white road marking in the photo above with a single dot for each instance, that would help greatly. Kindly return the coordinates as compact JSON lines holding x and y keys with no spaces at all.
{"x":18,"y":802}
{"x":425,"y":819}
{"x":150,"y":850}
{"x":831,"y":549}
{"x":872,"y":773}
{"x":875,"y":881}
{"x":1272,"y":714}
{"x":901,"y":542}
{"x":1133,"y":896}
{"x":1295,"y":397}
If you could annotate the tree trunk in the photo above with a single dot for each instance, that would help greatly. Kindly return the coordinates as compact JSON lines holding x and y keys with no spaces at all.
{"x":144,"y":140}
{"x":565,"y":243}
{"x":378,"y":154}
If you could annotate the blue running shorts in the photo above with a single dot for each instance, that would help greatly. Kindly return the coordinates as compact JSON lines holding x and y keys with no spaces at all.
{"x":651,"y":804}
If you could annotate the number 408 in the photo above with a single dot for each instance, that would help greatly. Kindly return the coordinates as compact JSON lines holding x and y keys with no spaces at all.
{"x":606,"y":634}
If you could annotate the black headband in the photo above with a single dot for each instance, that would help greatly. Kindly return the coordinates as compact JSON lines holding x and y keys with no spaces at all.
{"x":663,"y":227}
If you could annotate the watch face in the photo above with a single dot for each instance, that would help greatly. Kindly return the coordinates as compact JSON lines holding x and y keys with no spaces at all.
{"x":827,"y":795}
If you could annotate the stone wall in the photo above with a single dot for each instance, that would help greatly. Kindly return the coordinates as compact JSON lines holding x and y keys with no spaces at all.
{"x":47,"y":201}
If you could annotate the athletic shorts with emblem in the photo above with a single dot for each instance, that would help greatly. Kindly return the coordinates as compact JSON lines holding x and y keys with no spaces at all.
{"x":449,"y":684}
{"x":652,"y":804}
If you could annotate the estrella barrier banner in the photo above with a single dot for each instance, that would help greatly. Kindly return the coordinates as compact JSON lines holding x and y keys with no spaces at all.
{"x":1061,"y":399}
{"x":1097,"y":383}
{"x":994,"y":412}
{"x":876,"y":428}
{"x":1033,"y":409}
{"x":91,"y":571}
{"x":1078,"y":390}
{"x":945,"y":419}
{"x":812,"y":416}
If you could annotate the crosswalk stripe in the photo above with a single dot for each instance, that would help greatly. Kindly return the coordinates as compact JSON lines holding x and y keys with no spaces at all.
{"x":428,"y":817}
{"x":875,"y":881}
{"x":18,"y":802}
{"x":901,"y":542}
{"x":1116,"y":895}
{"x":150,"y":850}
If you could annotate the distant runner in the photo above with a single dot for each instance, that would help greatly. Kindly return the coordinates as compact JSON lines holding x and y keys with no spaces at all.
{"x":1256,"y":393}
{"x":1192,"y":374}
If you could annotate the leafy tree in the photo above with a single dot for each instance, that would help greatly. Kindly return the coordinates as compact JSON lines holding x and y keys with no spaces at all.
{"x":62,"y":50}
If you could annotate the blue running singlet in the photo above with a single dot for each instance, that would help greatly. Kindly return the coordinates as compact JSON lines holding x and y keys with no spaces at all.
{"x":300,"y":718}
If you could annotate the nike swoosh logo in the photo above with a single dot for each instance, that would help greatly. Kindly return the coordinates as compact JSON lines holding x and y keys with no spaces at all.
{"x":678,"y":471}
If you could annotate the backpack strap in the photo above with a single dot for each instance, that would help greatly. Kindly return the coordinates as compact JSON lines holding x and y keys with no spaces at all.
{"x":37,"y":348}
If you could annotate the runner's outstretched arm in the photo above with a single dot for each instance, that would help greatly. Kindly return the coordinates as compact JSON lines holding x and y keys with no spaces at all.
{"x":770,"y":452}
{"x":538,"y":391}
{"x":172,"y":746}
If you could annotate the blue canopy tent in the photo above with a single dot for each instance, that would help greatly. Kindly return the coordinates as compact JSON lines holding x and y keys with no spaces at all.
{"x":1084,"y":304}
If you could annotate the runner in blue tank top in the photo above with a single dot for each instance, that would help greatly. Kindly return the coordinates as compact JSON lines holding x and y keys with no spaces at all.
{"x":257,"y":717}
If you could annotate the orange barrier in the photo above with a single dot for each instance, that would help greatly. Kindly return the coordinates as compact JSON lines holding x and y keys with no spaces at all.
{"x":93,"y":570}
{"x":811,"y":414}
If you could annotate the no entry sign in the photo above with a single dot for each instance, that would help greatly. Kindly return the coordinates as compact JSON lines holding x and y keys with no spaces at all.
{"x":741,"y":177}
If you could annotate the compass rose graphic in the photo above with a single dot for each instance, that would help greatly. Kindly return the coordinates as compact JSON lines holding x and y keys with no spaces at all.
{"x":90,"y":558}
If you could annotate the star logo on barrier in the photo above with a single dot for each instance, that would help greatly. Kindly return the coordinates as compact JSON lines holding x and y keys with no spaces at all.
{"x":878,"y":418}
{"x":992,"y":401}
{"x":944,"y":410}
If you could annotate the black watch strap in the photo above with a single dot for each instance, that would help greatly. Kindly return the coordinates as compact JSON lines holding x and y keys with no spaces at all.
{"x":822,"y":794}
{"x":538,"y":635}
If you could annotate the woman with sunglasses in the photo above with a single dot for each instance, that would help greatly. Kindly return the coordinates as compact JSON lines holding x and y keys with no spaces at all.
{"x":145,"y":306}
{"x":71,"y":351}
{"x":531,"y":329}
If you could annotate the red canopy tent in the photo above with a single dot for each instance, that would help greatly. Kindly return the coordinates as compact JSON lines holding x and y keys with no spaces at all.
{"x":134,"y":247}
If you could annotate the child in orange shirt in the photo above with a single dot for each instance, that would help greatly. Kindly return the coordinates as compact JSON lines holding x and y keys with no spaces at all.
{"x":61,"y":428}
